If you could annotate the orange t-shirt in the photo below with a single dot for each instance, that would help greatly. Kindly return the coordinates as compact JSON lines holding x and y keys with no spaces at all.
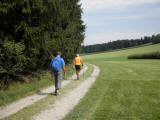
{"x":78,"y":61}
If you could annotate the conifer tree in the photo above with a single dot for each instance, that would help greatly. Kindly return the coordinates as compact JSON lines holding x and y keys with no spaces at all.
{"x":32,"y":30}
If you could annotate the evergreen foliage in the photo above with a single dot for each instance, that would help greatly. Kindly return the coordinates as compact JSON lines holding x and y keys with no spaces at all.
{"x":32,"y":30}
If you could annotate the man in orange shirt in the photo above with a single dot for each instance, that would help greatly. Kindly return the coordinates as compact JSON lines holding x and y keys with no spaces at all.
{"x":78,"y":63}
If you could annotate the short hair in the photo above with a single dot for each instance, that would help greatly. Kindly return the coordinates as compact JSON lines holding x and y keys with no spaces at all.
{"x":57,"y":53}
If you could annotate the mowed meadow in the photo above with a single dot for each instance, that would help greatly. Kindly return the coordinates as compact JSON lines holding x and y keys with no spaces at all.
{"x":126,"y":89}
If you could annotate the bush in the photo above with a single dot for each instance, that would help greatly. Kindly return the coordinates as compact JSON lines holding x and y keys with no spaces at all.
{"x":12,"y":61}
{"x":154,"y":55}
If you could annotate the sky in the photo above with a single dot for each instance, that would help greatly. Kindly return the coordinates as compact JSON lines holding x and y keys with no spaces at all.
{"x":109,"y":20}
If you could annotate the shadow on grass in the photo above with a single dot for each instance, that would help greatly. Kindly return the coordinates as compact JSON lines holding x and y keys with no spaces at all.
{"x":44,"y":93}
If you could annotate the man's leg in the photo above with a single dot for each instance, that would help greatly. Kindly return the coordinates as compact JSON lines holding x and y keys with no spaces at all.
{"x":77,"y":67}
{"x":58,"y":83}
{"x":77,"y":72}
{"x":59,"y":80}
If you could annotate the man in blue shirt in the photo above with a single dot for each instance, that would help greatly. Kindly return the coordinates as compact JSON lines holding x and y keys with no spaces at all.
{"x":57,"y":66}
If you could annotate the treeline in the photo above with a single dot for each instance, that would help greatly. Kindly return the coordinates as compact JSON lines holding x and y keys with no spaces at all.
{"x":119,"y":44}
{"x":32,"y":30}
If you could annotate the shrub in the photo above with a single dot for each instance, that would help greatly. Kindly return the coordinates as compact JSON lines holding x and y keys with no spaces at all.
{"x":154,"y":55}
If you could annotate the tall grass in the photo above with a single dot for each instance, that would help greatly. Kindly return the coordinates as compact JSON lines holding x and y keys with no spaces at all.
{"x":19,"y":90}
{"x":153,"y":55}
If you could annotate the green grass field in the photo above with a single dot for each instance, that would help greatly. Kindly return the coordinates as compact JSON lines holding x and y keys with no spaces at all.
{"x":121,"y":54}
{"x":125,"y":89}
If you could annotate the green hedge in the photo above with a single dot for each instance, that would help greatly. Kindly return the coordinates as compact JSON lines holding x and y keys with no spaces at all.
{"x":154,"y":55}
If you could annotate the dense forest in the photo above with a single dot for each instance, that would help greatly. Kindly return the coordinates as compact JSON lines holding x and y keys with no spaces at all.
{"x":119,"y":44}
{"x":32,"y":30}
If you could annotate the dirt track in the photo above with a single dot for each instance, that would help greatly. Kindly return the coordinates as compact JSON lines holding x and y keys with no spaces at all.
{"x":27,"y":101}
{"x":61,"y":108}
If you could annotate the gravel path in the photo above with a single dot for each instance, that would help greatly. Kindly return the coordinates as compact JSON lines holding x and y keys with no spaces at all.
{"x":61,"y":108}
{"x":27,"y":101}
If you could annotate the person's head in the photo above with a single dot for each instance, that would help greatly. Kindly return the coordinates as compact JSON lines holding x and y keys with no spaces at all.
{"x":57,"y":53}
{"x":77,"y":55}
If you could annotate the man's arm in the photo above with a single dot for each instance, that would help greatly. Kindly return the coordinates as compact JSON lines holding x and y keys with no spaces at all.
{"x":50,"y":68}
{"x":82,"y":62}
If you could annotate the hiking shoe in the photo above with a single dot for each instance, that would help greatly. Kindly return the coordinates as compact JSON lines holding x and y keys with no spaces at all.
{"x":57,"y":93}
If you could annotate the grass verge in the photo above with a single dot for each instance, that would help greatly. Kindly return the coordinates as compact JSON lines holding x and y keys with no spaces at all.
{"x":20,"y":90}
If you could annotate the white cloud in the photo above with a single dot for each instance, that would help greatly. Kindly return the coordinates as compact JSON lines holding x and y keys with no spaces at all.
{"x":96,"y":19}
{"x":91,"y":5}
